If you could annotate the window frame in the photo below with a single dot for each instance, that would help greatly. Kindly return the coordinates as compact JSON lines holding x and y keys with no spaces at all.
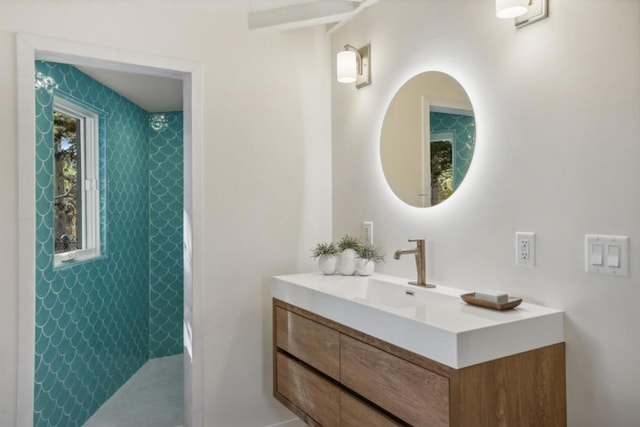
{"x":89,"y":184}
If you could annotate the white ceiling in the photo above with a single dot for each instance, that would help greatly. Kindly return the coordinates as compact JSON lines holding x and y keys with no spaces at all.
{"x":257,"y":5}
{"x":151,"y":93}
{"x":162,"y":94}
{"x":291,"y":14}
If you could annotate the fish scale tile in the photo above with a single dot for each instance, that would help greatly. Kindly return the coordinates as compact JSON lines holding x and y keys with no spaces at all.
{"x":165,"y":236}
{"x":464,"y":134}
{"x":93,"y":319}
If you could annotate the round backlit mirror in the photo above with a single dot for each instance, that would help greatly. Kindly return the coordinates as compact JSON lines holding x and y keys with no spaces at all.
{"x":428,"y":138}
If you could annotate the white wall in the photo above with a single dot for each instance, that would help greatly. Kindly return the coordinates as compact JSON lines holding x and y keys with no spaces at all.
{"x":267,"y":175}
{"x":557,"y":107}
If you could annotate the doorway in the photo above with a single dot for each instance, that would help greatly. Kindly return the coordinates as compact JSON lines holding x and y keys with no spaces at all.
{"x":32,"y":48}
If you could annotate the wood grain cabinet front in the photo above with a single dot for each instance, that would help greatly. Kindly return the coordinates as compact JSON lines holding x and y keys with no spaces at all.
{"x":308,"y":341}
{"x":416,"y":395}
{"x":331,"y":375}
{"x":355,"y":413}
{"x":315,"y":396}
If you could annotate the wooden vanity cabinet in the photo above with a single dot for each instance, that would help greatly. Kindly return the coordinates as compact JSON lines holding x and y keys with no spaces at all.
{"x":416,"y":395}
{"x":309,"y":341}
{"x":355,"y":413}
{"x":332,"y":375}
{"x":311,"y":393}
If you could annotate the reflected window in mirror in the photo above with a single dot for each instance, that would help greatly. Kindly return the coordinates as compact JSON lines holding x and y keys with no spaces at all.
{"x":441,"y":163}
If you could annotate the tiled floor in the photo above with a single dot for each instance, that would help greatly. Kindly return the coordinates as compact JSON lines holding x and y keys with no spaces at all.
{"x":153,"y":397}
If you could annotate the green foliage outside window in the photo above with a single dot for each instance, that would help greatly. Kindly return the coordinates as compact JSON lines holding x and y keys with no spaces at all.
{"x":66,"y":199}
{"x":441,"y":171}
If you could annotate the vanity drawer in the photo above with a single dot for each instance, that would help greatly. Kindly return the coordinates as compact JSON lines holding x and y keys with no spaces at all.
{"x":418,"y":396}
{"x":355,"y":413}
{"x":309,"y":341}
{"x":314,"y":395}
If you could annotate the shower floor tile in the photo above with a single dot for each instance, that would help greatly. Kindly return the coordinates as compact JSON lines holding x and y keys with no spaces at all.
{"x":153,"y":397}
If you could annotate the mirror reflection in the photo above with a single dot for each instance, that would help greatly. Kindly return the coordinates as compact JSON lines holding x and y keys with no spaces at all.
{"x":427,"y":139}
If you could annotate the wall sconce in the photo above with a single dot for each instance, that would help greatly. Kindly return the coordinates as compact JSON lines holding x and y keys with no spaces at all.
{"x":525,"y":12}
{"x":354,"y":65}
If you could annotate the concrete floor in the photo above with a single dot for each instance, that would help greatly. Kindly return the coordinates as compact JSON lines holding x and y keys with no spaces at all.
{"x":153,"y":397}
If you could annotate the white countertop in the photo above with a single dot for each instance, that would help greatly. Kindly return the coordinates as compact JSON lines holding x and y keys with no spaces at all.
{"x":434,"y":323}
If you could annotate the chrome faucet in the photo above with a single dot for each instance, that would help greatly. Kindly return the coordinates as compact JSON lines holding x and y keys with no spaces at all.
{"x":419,"y":252}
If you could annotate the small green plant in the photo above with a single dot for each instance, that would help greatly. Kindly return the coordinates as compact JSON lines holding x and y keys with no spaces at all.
{"x":349,"y":242}
{"x":327,"y":249}
{"x":370,"y":253}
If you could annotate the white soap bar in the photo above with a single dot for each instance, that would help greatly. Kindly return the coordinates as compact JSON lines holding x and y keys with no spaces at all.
{"x":492,"y":296}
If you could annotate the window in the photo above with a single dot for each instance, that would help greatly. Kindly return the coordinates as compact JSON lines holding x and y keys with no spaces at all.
{"x":441,"y":168}
{"x":76,"y":183}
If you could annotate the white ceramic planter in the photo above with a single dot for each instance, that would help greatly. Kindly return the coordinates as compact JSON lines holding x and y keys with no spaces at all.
{"x":347,"y":262}
{"x":365,"y":267}
{"x":328,"y":264}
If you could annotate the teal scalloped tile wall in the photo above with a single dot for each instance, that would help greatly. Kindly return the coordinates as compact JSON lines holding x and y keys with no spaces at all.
{"x":464,"y":140}
{"x":165,"y":236}
{"x":93,"y":318}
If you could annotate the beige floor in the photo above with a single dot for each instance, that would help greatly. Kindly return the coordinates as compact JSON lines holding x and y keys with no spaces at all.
{"x":153,"y":397}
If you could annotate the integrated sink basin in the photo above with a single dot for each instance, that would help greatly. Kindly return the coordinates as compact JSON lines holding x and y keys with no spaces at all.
{"x":432,"y":322}
{"x":390,"y":295}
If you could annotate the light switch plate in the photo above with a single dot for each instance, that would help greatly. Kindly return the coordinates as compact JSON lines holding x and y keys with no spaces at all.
{"x":607,"y":254}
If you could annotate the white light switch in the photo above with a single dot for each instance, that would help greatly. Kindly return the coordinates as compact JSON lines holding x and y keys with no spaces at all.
{"x":613,"y":256}
{"x":597,"y":254}
{"x":607,"y":254}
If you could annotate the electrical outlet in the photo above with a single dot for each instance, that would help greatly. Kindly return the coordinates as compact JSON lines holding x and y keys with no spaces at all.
{"x":367,"y":232}
{"x":525,"y":249}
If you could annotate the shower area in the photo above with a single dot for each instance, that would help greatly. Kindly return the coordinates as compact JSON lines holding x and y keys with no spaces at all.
{"x":98,"y":321}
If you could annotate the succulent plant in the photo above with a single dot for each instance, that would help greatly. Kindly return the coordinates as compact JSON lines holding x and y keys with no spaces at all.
{"x":349,"y":242}
{"x":370,"y":253}
{"x":327,"y":249}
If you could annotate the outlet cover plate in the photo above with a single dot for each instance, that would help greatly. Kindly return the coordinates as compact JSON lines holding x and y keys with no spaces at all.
{"x":525,"y":249}
{"x":367,"y":232}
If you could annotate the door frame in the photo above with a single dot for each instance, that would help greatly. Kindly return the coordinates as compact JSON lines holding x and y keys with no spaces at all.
{"x":30,"y":48}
